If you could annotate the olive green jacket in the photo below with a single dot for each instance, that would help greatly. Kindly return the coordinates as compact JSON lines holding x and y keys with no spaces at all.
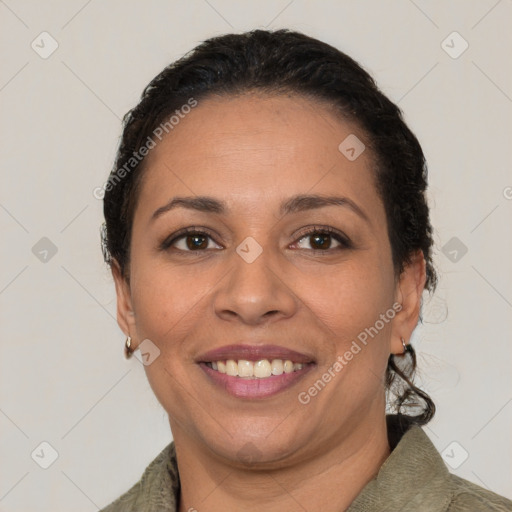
{"x":413,"y":478}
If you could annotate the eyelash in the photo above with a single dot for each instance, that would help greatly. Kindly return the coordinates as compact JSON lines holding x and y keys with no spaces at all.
{"x":341,"y":238}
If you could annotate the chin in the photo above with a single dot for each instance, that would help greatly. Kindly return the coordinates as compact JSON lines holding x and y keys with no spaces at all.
{"x":263,"y":445}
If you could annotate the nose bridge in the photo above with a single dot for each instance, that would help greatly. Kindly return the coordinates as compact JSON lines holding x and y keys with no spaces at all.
{"x":253,"y":290}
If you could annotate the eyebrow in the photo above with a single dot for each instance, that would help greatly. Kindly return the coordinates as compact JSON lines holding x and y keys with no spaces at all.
{"x":295,"y":204}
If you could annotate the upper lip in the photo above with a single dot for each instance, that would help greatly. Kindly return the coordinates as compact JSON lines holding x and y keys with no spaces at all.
{"x":253,"y":353}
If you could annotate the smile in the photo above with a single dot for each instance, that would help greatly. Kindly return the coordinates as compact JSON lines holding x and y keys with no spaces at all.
{"x":261,"y":369}
{"x":254,"y":371}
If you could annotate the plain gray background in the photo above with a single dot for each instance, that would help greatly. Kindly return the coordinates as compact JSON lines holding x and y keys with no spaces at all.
{"x":64,"y":380}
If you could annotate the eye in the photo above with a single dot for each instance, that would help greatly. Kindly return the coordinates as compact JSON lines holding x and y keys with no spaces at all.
{"x":323,"y":239}
{"x":190,"y":240}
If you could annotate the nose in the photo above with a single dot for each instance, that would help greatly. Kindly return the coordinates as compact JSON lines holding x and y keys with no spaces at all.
{"x":254,"y":293}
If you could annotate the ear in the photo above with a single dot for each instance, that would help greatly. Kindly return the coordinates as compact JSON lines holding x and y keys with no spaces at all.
{"x":125,"y":315}
{"x":409,"y":290}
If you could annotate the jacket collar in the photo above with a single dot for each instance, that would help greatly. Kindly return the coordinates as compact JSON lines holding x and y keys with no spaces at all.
{"x":413,"y":477}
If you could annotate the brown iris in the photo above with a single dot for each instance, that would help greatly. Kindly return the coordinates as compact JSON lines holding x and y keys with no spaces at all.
{"x":197,"y":242}
{"x":320,"y":241}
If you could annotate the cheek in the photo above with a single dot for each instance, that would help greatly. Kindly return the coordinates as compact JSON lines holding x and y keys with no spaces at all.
{"x":168,"y":309}
{"x":347,"y":298}
{"x":357,"y":311}
{"x":348,"y":305}
{"x":168,"y":302}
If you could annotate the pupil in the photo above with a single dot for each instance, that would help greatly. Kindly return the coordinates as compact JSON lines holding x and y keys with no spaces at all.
{"x":196,"y":242}
{"x":323,"y":241}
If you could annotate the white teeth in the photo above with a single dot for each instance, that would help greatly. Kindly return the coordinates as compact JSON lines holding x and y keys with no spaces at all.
{"x":261,"y":369}
{"x":231,"y":367}
{"x":245,"y":368}
{"x":277,"y":367}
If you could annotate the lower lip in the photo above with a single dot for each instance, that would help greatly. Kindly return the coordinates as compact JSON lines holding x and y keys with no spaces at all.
{"x":255,"y":388}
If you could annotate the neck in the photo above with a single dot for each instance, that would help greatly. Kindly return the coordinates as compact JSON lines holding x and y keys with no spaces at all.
{"x":329,"y":481}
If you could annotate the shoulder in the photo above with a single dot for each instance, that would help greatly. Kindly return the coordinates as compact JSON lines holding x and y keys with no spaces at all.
{"x":415,"y":478}
{"x":156,"y":490}
{"x":468,"y":497}
{"x":450,"y":492}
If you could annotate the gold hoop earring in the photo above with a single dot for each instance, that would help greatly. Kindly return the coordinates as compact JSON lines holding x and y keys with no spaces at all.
{"x":128,"y":350}
{"x":407,"y":347}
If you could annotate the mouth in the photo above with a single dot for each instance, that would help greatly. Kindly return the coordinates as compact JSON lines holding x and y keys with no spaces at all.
{"x":259,"y":371}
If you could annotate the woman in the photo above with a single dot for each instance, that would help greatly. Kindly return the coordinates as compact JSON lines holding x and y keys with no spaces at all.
{"x":269,"y":238}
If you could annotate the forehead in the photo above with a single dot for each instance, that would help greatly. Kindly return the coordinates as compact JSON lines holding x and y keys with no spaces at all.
{"x":253,"y":149}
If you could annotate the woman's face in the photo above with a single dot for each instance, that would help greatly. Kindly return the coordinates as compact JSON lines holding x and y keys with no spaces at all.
{"x":287,"y":259}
